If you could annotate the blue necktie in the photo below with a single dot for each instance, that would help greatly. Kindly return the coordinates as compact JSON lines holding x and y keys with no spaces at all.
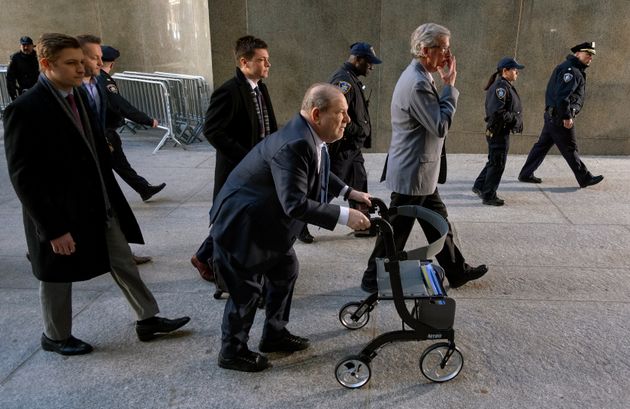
{"x":324,"y":173}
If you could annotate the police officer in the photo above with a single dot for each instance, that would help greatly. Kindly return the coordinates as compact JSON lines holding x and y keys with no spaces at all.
{"x":23,"y":69}
{"x":346,"y":160}
{"x":118,"y":108}
{"x":563,"y":101}
{"x":503,"y":115}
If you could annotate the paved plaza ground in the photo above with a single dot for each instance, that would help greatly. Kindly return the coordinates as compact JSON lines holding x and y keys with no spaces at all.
{"x":547,"y":327}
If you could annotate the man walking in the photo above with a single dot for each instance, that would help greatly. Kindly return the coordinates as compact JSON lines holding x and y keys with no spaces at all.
{"x":281,"y":184}
{"x":421,"y":118}
{"x":564,"y":99}
{"x":76,"y":219}
{"x":239,"y":116}
{"x":23,"y":68}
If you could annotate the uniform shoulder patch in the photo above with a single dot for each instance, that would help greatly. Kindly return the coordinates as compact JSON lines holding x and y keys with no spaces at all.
{"x":344,"y":86}
{"x":567,"y":77}
{"x":501,"y":93}
{"x":112,"y":88}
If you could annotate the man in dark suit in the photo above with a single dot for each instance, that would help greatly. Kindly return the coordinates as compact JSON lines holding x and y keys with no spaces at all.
{"x":102,"y":105}
{"x":239,"y":116}
{"x":76,"y":219}
{"x":281,"y":184}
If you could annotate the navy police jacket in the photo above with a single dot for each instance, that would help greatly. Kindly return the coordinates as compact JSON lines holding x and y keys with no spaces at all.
{"x":504,"y":111}
{"x":566,"y":88}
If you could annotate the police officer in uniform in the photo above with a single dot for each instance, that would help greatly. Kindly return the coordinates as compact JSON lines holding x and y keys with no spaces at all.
{"x":564,"y":100}
{"x":346,"y":160}
{"x":503,"y":115}
{"x":118,"y":108}
{"x":23,"y":69}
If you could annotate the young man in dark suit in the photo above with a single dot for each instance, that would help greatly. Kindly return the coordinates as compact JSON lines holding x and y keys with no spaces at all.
{"x":281,"y":184}
{"x":78,"y":223}
{"x":239,"y":116}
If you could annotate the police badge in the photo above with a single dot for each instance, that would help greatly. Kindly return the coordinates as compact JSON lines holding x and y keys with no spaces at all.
{"x":344,"y":86}
{"x":567,"y":77}
{"x":112,"y":88}
{"x":501,"y":93}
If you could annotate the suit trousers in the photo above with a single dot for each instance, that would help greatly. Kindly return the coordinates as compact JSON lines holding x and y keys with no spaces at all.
{"x":245,"y":288}
{"x":121,"y":165}
{"x":565,"y":139}
{"x":488,"y":180}
{"x":56,"y":298}
{"x":450,"y":258}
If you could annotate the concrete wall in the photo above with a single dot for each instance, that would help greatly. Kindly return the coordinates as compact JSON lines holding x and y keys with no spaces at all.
{"x":152,"y":35}
{"x":308,"y":39}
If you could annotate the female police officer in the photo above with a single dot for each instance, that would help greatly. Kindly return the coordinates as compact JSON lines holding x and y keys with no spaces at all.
{"x":503,"y":115}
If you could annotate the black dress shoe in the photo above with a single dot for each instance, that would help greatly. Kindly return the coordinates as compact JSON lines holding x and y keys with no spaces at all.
{"x":592,"y":181}
{"x":70,"y":346}
{"x":140,"y":259}
{"x":364,"y":233}
{"x":205,"y":270}
{"x":369,"y":286}
{"x":495,"y":201}
{"x":469,"y":274}
{"x":246,"y":361}
{"x":529,"y":179}
{"x":477,"y":192}
{"x":151,"y":191}
{"x":305,"y":236}
{"x":150,"y":328}
{"x":286,"y":342}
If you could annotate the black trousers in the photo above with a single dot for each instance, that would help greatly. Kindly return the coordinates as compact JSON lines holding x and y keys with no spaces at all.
{"x":245,"y":289}
{"x":121,"y":165}
{"x":555,"y":133}
{"x":450,"y":258}
{"x":488,"y":180}
{"x":349,"y":166}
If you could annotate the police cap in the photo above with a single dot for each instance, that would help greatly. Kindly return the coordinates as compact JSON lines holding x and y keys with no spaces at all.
{"x":26,"y":40}
{"x":109,"y":53}
{"x":508,"y":63}
{"x":587,"y":47}
{"x":366,"y":51}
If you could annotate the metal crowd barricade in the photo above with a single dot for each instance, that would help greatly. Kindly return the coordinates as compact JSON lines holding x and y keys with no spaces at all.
{"x":196,"y":99}
{"x":153,"y":98}
{"x":5,"y":99}
{"x":179,"y":107}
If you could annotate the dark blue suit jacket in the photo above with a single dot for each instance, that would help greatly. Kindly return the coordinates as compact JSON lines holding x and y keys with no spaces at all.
{"x":269,"y":196}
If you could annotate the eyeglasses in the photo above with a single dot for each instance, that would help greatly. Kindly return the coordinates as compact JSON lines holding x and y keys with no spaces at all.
{"x":443,"y":50}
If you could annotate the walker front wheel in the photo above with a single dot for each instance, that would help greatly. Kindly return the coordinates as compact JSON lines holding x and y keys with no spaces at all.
{"x":441,"y":362}
{"x":353,"y":372}
{"x":345,"y":316}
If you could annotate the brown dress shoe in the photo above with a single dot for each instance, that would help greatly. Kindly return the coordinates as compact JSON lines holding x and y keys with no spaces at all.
{"x":141,"y":259}
{"x":205,"y":270}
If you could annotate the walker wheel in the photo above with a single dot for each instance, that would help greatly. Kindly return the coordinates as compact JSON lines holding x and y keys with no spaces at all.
{"x":345,"y":316}
{"x":217,"y":294}
{"x":353,"y":371}
{"x":436,"y":364}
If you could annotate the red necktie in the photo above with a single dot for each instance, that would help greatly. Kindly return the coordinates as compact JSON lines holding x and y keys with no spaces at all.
{"x":73,"y":106}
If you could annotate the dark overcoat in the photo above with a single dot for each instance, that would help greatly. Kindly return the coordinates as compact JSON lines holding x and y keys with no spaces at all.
{"x":54,"y":168}
{"x":231,"y":124}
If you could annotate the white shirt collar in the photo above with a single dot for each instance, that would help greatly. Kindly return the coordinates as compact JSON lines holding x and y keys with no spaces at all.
{"x":252,"y":83}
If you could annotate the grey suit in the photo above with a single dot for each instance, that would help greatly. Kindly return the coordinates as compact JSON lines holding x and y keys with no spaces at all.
{"x":420,"y":122}
{"x":421,"y":118}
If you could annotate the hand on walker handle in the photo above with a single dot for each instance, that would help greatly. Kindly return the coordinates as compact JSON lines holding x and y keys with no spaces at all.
{"x":357,"y":220}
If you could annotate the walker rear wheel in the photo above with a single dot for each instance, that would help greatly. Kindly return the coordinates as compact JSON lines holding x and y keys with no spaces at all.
{"x":440,"y":362}
{"x":353,"y":372}
{"x":345,"y":316}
